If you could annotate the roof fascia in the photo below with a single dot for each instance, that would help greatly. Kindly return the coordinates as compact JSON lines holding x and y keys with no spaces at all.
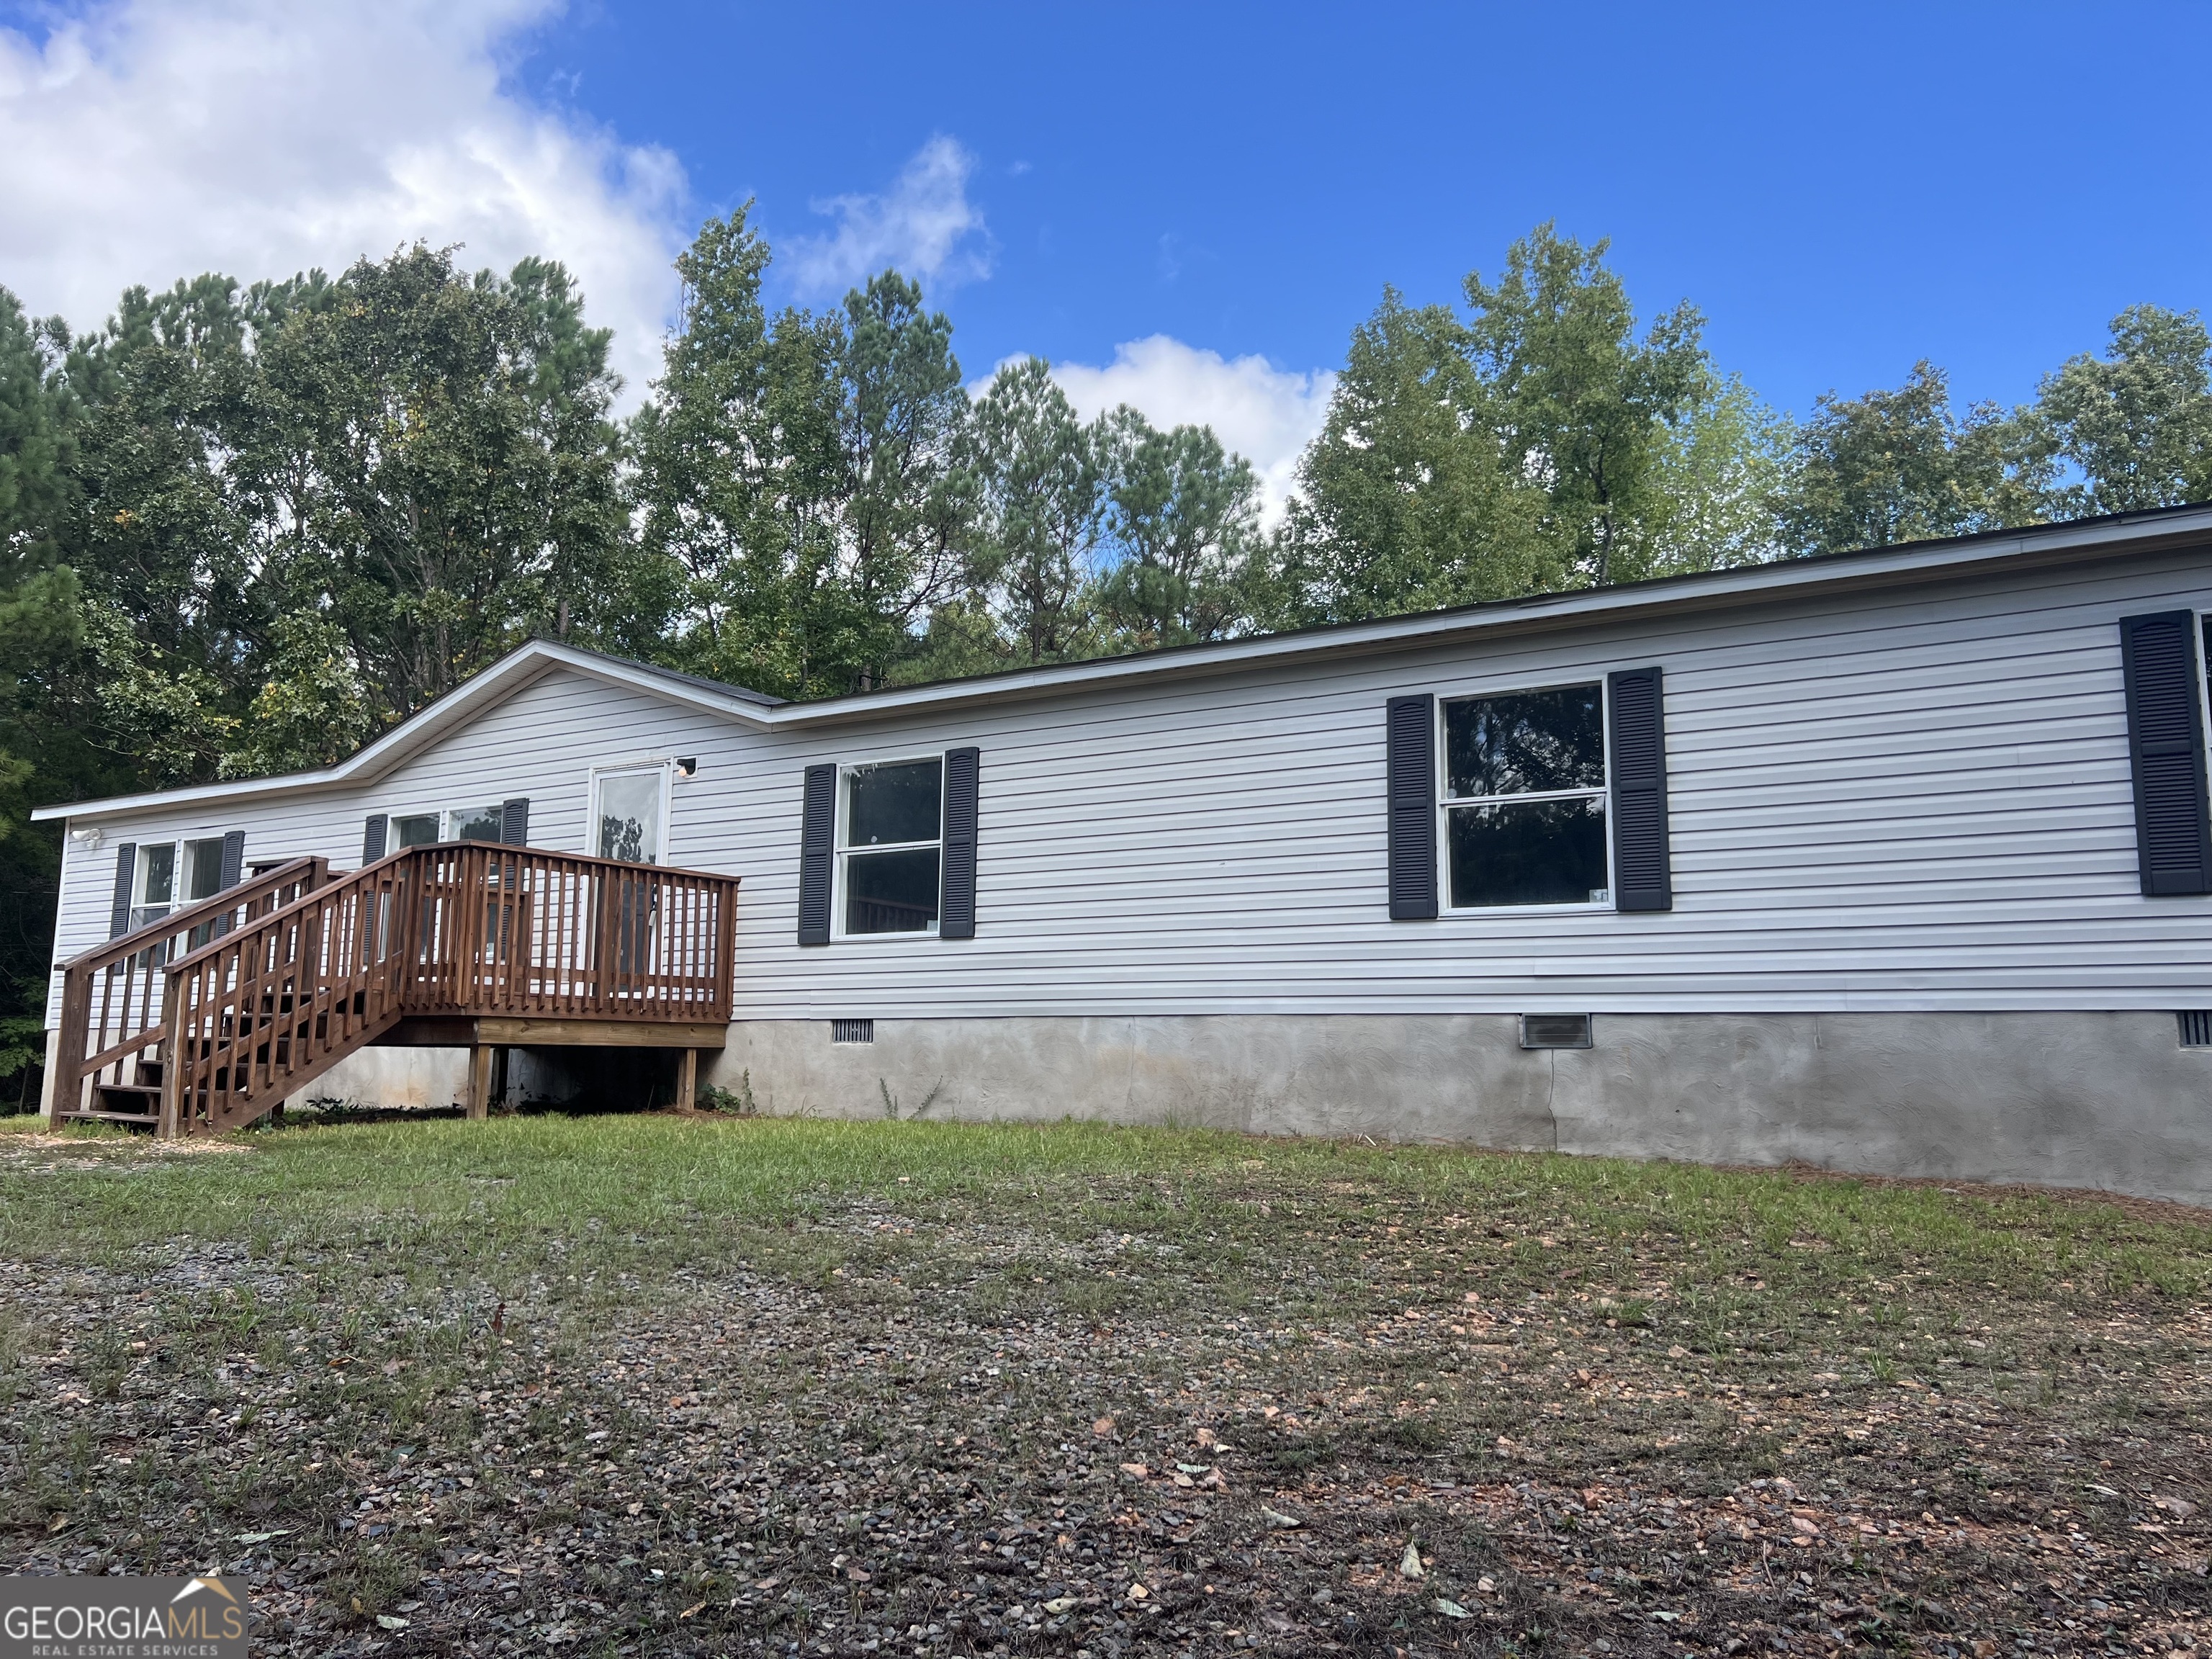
{"x":668,"y":687}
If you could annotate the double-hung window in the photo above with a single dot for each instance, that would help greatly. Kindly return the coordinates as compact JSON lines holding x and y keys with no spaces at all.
{"x":890,"y":846}
{"x":448,"y":824}
{"x":1524,"y":798}
{"x":172,"y":874}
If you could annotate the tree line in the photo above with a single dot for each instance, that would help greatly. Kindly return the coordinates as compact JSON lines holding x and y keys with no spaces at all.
{"x":244,"y":528}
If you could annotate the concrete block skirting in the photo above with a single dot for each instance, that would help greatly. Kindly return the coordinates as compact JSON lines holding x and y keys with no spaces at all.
{"x":2102,"y":1100}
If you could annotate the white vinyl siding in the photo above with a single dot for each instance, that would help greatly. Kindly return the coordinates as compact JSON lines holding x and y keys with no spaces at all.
{"x":1908,"y":798}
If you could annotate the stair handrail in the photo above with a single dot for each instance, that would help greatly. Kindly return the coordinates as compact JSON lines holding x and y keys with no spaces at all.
{"x":136,"y":1008}
{"x":331,"y":877}
{"x":200,"y":910}
{"x":250,"y":1001}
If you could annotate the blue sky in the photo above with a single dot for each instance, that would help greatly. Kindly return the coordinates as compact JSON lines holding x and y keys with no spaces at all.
{"x":1188,"y":207}
{"x":1842,"y":189}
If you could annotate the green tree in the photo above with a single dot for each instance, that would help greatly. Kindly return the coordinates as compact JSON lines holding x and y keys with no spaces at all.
{"x":37,"y":442}
{"x":41,"y":632}
{"x":313,"y":708}
{"x":800,"y":476}
{"x":906,"y":501}
{"x":2137,"y":422}
{"x":709,"y":456}
{"x":162,"y":538}
{"x":1040,"y":482}
{"x":1185,"y":519}
{"x":41,"y":617}
{"x":1716,"y":486}
{"x":436,"y":451}
{"x":1579,"y":401}
{"x":1408,"y":500}
{"x":1896,"y":466}
{"x":1539,"y":441}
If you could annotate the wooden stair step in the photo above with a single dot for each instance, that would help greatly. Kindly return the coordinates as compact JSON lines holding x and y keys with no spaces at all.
{"x":137,"y":1120}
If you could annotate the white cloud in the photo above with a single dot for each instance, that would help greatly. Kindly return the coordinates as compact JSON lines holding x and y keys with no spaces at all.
{"x":1267,"y":414}
{"x":152,"y":139}
{"x":926,"y":226}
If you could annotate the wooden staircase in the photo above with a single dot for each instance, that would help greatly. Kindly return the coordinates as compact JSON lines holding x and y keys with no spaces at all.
{"x":212,"y":1017}
{"x":137,"y":1103}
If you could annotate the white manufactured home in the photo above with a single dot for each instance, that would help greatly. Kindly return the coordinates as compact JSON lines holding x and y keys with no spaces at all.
{"x":1894,"y":862}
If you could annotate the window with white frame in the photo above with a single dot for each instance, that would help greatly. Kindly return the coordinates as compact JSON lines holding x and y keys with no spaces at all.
{"x":448,"y":824}
{"x":172,"y":874}
{"x":890,"y":848}
{"x":1524,"y":798}
{"x":629,"y":813}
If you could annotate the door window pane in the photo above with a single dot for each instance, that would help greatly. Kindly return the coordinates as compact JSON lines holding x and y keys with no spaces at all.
{"x":478,"y":823}
{"x":891,"y":892}
{"x":899,"y":802}
{"x":628,"y":817}
{"x":418,"y":830}
{"x":1536,"y":852}
{"x":1526,"y":742}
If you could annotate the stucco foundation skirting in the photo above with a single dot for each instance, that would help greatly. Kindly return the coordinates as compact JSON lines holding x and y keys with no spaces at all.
{"x":2103,"y":1100}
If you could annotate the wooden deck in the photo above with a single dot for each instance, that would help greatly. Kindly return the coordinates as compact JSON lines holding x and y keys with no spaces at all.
{"x":214,"y":1015}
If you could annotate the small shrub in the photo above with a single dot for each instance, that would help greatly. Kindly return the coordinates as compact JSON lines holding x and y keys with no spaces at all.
{"x":732,"y":1103}
{"x":339,"y":1109}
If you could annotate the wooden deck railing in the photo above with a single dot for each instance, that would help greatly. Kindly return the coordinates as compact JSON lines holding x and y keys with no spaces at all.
{"x":456,"y":929}
{"x":114,"y":1007}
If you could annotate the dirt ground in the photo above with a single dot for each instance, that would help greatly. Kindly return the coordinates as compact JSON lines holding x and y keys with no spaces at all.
{"x":1236,"y":1397}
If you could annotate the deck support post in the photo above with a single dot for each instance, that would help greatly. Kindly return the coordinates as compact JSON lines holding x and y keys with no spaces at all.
{"x":687,"y":1081}
{"x":480,"y":1058}
{"x":170,"y":1124}
{"x":50,"y":1087}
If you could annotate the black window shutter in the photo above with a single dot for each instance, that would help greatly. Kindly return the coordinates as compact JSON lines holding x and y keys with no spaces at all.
{"x":956,"y":917}
{"x":817,"y":831}
{"x":1412,"y":785}
{"x":514,"y":822}
{"x":372,"y":838}
{"x":2166,"y":743}
{"x":1642,"y":874}
{"x":126,"y":872}
{"x":231,"y":870}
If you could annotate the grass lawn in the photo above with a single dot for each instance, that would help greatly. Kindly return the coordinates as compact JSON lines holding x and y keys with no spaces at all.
{"x":676,"y":1385}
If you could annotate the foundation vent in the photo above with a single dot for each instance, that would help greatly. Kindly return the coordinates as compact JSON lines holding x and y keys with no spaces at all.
{"x":2196,"y":1028}
{"x":851,"y":1030}
{"x":1555,"y":1030}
